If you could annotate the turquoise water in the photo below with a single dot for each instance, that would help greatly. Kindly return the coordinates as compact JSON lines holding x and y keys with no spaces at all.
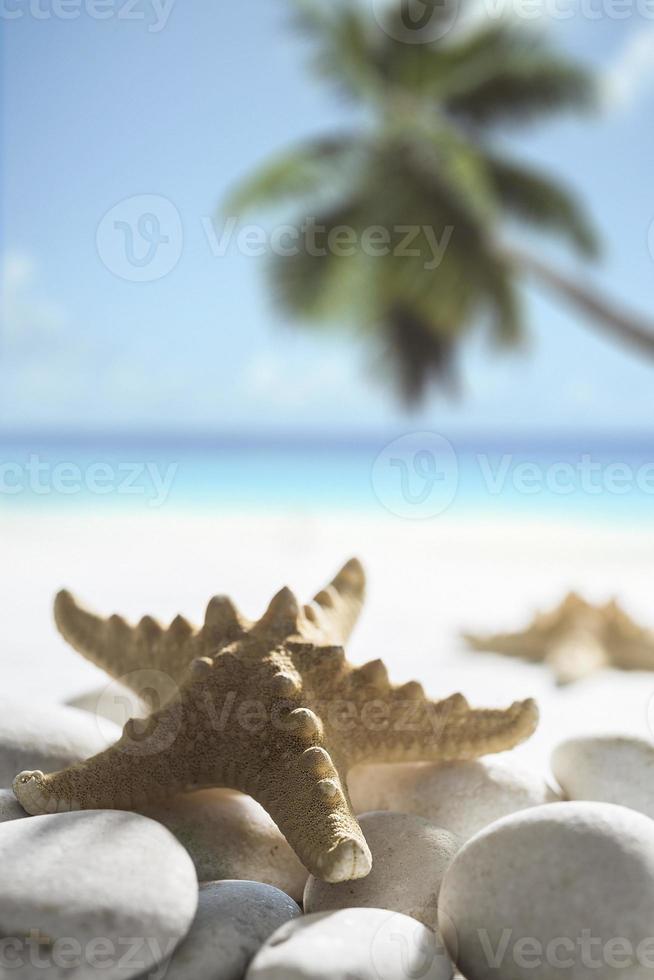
{"x":417,"y":476}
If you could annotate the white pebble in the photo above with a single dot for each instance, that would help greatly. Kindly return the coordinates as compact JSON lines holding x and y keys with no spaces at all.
{"x":10,"y":808}
{"x":366,"y":944}
{"x":233,"y":920}
{"x":92,"y":893}
{"x":229,"y":835}
{"x":47,"y":737}
{"x":608,"y":769}
{"x":560,"y":890}
{"x":409,"y":858}
{"x":462,"y":797}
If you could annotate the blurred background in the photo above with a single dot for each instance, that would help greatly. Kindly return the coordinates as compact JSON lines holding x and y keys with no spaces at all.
{"x":282,"y":283}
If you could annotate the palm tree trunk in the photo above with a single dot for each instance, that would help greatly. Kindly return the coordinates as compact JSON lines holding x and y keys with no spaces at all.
{"x":629,"y":328}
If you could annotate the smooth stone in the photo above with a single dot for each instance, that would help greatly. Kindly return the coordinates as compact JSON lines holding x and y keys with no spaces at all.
{"x":559,"y":890}
{"x":46,"y":736}
{"x":233,"y":921}
{"x":607,"y":769}
{"x":10,"y":808}
{"x":366,"y":944}
{"x":409,"y":858}
{"x":230,"y":836}
{"x":75,"y":887}
{"x":462,"y":797}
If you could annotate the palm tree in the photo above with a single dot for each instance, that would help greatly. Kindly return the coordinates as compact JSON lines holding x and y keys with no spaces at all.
{"x":424,"y":157}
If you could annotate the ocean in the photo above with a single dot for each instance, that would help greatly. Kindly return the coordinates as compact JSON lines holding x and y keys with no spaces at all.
{"x":418,"y":476}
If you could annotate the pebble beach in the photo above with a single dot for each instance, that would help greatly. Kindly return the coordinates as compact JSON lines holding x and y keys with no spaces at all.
{"x":209,"y":881}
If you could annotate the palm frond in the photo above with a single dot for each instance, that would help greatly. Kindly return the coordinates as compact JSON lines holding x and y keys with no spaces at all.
{"x":524,"y":86}
{"x":316,"y":280}
{"x":536,"y":198}
{"x":502,"y":304}
{"x":455,"y":170}
{"x":416,"y":355}
{"x":310,"y":169}
{"x":447,"y":65}
{"x":346,"y":43}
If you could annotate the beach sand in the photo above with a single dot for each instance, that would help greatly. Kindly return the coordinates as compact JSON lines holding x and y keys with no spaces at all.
{"x":427,"y":581}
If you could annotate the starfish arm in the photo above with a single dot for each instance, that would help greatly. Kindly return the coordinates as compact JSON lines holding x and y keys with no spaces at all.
{"x":388,"y":723}
{"x":545,"y":631}
{"x":633,"y":654}
{"x":309,"y":803}
{"x":371,"y":720}
{"x":120,"y":649}
{"x":285,"y":763}
{"x":140,"y":768}
{"x":335,"y":610}
{"x":447,"y":731}
{"x":630,"y":646}
{"x":433,"y":731}
{"x":528,"y":645}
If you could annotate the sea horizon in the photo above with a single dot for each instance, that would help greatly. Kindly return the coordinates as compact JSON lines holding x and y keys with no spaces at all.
{"x":412,"y":475}
{"x":191,"y":439}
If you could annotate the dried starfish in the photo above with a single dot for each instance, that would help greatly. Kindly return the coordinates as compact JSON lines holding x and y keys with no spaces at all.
{"x":576,"y":639}
{"x":271,"y":708}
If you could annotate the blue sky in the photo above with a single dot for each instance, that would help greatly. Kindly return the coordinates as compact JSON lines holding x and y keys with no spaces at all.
{"x":99,"y":111}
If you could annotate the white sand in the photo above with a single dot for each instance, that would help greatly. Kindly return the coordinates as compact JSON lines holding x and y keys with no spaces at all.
{"x":428,"y":580}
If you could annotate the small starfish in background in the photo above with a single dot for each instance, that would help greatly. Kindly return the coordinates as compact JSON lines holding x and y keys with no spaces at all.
{"x":270,"y":708}
{"x":576,"y":639}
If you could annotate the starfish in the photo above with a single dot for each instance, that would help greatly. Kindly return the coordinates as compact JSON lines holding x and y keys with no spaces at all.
{"x":576,"y":639}
{"x":271,"y":708}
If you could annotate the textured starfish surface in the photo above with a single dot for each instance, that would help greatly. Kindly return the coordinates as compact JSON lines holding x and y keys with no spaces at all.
{"x":576,"y":639}
{"x":271,"y":708}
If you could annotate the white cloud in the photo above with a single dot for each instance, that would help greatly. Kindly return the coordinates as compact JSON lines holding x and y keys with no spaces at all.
{"x":45,"y":361}
{"x":16,"y":269}
{"x":28,"y":320}
{"x":632,"y":71}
